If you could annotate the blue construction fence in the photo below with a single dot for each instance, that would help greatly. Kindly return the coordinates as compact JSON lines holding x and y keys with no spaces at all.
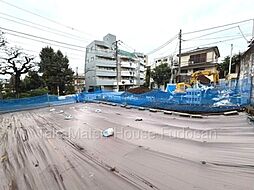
{"x":228,"y":95}
{"x":9,"y":105}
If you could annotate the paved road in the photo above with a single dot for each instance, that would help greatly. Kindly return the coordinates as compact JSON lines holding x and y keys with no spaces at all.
{"x":40,"y":149}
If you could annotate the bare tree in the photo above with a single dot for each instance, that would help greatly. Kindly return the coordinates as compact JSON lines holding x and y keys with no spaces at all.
{"x":14,"y":62}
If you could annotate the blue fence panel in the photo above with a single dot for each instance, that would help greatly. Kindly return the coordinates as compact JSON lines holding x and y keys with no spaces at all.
{"x":223,"y":97}
{"x":34,"y":102}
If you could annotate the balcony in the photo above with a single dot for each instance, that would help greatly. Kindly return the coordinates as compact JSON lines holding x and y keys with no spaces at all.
{"x":105,"y":82}
{"x":105,"y":63}
{"x":103,"y":53}
{"x":126,"y":64}
{"x":127,"y":73}
{"x":200,"y":61}
{"x":106,"y":73}
{"x":142,"y":75}
{"x":125,"y":82}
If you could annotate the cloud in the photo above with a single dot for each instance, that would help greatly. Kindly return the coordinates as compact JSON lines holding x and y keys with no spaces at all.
{"x":143,"y":25}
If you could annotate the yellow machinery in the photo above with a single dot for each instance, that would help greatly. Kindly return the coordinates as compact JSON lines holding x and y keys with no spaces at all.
{"x":198,"y":76}
{"x":195,"y":77}
{"x":181,"y":87}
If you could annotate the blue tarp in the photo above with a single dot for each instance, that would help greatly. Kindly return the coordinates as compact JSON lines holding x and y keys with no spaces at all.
{"x":202,"y":99}
{"x":34,"y":102}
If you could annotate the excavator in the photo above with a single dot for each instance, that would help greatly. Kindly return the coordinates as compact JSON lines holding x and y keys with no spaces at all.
{"x":201,"y":77}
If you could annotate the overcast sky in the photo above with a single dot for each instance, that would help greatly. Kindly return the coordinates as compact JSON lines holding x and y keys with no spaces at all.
{"x":141,"y":24}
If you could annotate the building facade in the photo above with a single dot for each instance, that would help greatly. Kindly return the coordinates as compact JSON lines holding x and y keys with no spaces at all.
{"x":247,"y":62}
{"x":101,"y":68}
{"x":191,"y":61}
{"x":205,"y":58}
{"x":171,"y":62}
{"x":247,"y":68}
{"x":79,"y":83}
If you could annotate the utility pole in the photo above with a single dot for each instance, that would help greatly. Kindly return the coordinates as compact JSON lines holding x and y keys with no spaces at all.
{"x":230,"y":60}
{"x":117,"y":65}
{"x":172,"y":70}
{"x":179,"y":55}
{"x":86,"y":85}
{"x":253,"y":30}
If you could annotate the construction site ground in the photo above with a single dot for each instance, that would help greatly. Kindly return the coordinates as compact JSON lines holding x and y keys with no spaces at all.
{"x":63,"y":148}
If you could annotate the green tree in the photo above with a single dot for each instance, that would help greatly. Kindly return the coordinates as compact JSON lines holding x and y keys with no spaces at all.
{"x":161,"y":74}
{"x":56,"y":72}
{"x":223,"y":67}
{"x":32,"y":81}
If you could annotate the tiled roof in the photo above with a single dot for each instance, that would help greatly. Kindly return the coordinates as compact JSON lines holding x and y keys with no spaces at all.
{"x":202,"y":49}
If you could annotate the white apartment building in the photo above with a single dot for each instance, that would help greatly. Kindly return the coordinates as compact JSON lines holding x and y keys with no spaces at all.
{"x":165,"y":59}
{"x":101,"y":70}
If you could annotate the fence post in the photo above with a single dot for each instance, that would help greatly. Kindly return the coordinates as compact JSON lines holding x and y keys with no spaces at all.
{"x":251,"y":89}
{"x":48,"y":99}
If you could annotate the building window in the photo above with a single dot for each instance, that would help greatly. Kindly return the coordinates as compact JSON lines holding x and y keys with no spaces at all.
{"x":198,"y":58}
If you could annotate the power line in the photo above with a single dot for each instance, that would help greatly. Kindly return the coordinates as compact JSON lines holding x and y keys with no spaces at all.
{"x":37,"y":52}
{"x":172,"y":50}
{"x":58,"y":32}
{"x":32,"y":45}
{"x":163,"y":45}
{"x":202,"y":30}
{"x":219,"y":37}
{"x":94,"y":50}
{"x":212,"y":33}
{"x":42,"y":38}
{"x":212,"y":43}
{"x":38,"y":28}
{"x":220,"y":26}
{"x":45,"y":18}
{"x":48,"y":43}
{"x":243,"y":34}
{"x":127,"y":46}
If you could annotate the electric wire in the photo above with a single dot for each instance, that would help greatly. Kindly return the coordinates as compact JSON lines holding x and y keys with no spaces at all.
{"x":45,"y":18}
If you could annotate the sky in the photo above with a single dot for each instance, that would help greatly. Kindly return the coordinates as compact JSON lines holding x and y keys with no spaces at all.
{"x":142,"y":25}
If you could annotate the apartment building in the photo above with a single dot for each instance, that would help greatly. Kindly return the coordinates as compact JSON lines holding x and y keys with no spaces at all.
{"x":165,"y":59}
{"x":101,"y":68}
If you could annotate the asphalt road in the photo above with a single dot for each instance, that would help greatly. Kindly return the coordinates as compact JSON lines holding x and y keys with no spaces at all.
{"x":41,"y":149}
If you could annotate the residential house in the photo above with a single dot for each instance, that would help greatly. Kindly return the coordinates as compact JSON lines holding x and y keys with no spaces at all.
{"x":205,"y":58}
{"x":79,"y":82}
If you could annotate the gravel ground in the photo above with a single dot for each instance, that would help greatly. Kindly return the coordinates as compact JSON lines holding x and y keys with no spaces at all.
{"x":62,"y":148}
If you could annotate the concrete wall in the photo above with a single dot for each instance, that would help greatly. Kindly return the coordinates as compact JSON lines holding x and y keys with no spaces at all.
{"x":247,"y":68}
{"x":185,"y":60}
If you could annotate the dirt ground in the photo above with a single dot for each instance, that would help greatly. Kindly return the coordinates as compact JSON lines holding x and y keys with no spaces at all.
{"x":41,"y":149}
